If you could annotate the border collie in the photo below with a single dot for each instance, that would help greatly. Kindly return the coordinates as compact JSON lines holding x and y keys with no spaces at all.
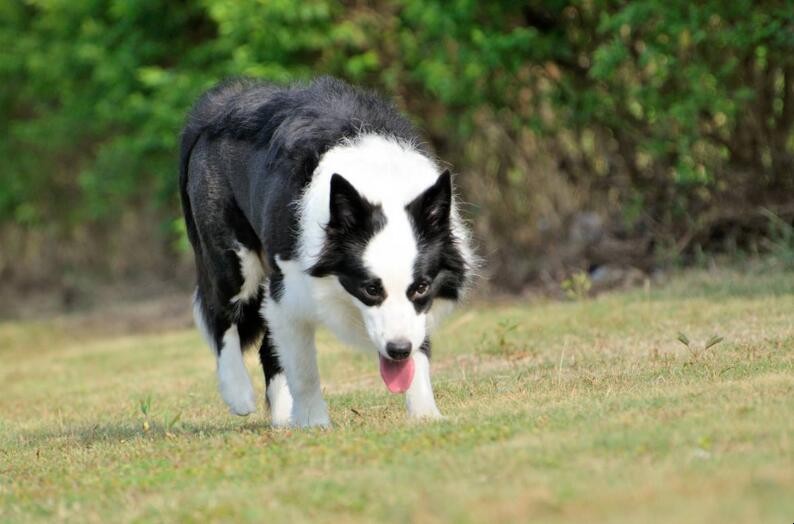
{"x":317,"y":204}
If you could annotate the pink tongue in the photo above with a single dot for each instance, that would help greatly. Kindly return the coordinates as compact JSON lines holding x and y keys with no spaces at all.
{"x":397,"y":375}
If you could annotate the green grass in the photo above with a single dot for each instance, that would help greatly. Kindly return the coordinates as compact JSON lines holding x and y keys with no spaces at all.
{"x":556,"y":412}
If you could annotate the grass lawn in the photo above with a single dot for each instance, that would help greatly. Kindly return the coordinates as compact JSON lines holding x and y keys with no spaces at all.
{"x":556,"y":412}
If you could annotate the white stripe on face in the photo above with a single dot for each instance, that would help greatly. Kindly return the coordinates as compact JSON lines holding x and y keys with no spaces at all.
{"x":390,"y":256}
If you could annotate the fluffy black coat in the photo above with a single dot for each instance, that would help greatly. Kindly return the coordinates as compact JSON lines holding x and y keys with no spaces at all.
{"x":248,"y":151}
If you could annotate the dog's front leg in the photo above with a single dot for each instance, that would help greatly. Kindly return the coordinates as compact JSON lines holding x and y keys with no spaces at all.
{"x":294,"y":343}
{"x":419,"y":398}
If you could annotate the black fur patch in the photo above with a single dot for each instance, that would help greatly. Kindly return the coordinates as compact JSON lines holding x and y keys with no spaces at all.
{"x":275,"y":284}
{"x":353,"y":222}
{"x":439,"y":260}
{"x":426,"y":348}
{"x":267,"y":140}
{"x":269,"y":358}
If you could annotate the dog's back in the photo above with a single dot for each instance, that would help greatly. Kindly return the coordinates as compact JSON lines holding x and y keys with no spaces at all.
{"x":270,"y":140}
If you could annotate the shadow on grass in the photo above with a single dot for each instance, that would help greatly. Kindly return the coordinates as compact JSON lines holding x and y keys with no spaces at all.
{"x":123,"y":432}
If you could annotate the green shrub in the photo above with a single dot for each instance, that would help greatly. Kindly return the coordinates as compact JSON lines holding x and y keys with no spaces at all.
{"x":656,"y":112}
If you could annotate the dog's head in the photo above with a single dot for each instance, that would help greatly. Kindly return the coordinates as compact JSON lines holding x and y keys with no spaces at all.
{"x":394,"y":261}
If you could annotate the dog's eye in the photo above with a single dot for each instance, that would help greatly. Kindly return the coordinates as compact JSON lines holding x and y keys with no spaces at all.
{"x":374,"y":290}
{"x":420,"y":290}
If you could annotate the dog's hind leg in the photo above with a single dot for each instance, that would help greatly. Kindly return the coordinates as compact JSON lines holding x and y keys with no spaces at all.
{"x":233,"y":380}
{"x":229,"y":268}
{"x":223,"y":338}
{"x":226,"y":309}
{"x":279,"y":397}
{"x":419,"y":398}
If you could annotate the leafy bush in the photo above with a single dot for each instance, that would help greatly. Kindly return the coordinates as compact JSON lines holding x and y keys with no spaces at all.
{"x":663,"y":116}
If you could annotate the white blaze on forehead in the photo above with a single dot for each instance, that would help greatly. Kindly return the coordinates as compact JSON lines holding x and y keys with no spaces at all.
{"x":383,"y":170}
{"x":391,"y":253}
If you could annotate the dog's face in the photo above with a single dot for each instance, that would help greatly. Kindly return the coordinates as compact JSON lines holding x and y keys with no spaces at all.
{"x":393,"y":261}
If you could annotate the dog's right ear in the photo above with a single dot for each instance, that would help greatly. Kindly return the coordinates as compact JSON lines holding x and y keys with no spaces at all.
{"x":431,"y":210}
{"x":348,"y":208}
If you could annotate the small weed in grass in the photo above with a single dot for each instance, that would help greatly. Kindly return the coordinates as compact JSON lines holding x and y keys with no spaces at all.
{"x":502,"y":342}
{"x":145,"y":406}
{"x":170,"y":422}
{"x":577,"y":286}
{"x":696,"y":351}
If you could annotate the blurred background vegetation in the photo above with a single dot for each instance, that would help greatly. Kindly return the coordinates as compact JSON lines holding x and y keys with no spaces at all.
{"x":587,"y":134}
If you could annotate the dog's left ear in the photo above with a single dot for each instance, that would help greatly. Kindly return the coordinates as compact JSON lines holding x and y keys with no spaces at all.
{"x":430,"y":210}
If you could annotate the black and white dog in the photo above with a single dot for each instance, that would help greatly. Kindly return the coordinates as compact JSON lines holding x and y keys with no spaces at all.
{"x":310,"y":205}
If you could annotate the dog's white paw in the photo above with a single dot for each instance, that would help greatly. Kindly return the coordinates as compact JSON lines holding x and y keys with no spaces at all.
{"x":323,"y":422}
{"x":311,"y":420}
{"x":311,"y":414}
{"x":280,"y":400}
{"x":235,"y":384}
{"x":430,"y":412}
{"x":239,"y":397}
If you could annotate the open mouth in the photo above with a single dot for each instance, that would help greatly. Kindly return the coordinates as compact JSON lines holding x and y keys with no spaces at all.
{"x":397,"y":374}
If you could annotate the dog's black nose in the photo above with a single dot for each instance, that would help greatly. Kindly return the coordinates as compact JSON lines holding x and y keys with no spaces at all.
{"x":399,"y":349}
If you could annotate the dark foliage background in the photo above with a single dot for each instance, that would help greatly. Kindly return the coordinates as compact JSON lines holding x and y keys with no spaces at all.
{"x":585,"y":133}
